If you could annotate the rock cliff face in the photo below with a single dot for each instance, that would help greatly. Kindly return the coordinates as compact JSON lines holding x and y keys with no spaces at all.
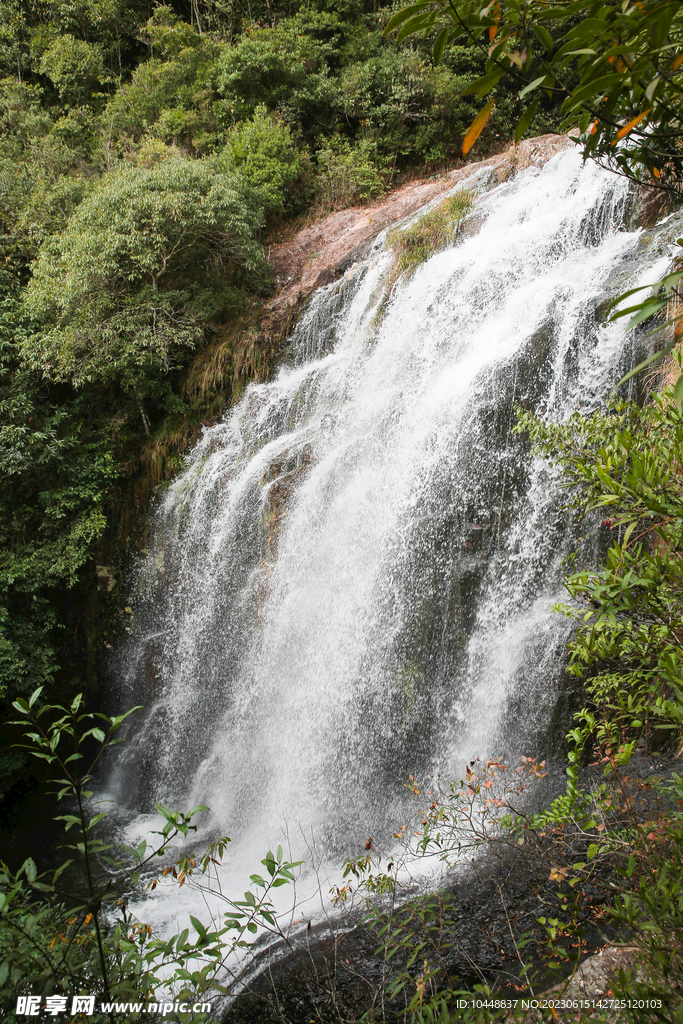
{"x":323,"y":251}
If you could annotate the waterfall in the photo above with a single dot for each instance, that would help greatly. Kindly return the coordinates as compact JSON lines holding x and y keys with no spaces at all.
{"x":353,"y":577}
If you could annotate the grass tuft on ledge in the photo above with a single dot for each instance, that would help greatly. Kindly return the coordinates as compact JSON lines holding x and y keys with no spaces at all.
{"x":415,"y":245}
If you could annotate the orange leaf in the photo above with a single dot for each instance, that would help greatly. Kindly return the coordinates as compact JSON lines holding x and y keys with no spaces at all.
{"x":656,"y":171}
{"x":477,"y":126}
{"x":627,"y":127}
{"x":494,"y":28}
{"x":557,"y":874}
{"x":678,"y":61}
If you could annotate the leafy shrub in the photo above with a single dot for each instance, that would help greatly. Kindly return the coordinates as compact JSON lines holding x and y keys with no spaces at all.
{"x":168,"y":36}
{"x":22,"y":118}
{"x":172,"y":96}
{"x":263,"y":151}
{"x":346,"y":175}
{"x":282,"y":70}
{"x":41,"y":169}
{"x":56,"y":471}
{"x":73,"y":66}
{"x":99,"y":941}
{"x":389,"y":99}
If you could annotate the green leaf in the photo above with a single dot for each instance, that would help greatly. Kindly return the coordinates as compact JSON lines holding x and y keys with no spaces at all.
{"x":70,"y":819}
{"x":97,"y":817}
{"x":440,"y":45}
{"x":29,"y":868}
{"x":403,"y":15}
{"x":532,"y":85}
{"x":665,"y":284}
{"x":678,"y":393}
{"x":484,"y":84}
{"x":413,"y":26}
{"x":655,"y":358}
{"x":525,"y":120}
{"x":544,"y":36}
{"x":651,"y":89}
{"x":591,"y":89}
{"x":96,"y":732}
{"x":647,"y":309}
{"x":60,"y":869}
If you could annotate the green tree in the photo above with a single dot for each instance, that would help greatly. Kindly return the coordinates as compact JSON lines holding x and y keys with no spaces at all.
{"x":29,"y":28}
{"x":143,"y":265}
{"x":284,"y":70}
{"x":262,"y":150}
{"x":172,"y":96}
{"x":55,"y":474}
{"x":73,"y":66}
{"x":42,"y":172}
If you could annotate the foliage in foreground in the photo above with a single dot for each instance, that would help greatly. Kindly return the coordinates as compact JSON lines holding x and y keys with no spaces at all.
{"x":74,"y":931}
{"x":616,"y":67}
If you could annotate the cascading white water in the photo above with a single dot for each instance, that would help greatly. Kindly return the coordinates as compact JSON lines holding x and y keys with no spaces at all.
{"x":352,"y":579}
